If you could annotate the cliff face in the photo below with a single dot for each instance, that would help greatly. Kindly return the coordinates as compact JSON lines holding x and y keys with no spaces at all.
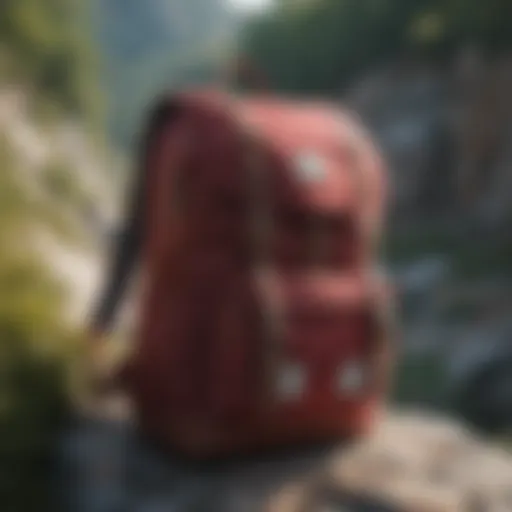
{"x":447,"y":134}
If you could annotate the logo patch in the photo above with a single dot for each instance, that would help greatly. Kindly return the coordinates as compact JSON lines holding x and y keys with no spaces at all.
{"x":310,"y":167}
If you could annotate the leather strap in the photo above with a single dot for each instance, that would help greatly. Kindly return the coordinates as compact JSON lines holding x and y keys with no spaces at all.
{"x":385,"y":331}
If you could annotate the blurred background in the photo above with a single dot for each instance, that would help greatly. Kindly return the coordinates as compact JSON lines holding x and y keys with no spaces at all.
{"x":432,"y":80}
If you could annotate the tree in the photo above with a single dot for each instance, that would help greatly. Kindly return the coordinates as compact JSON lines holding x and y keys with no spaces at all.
{"x":322,"y":45}
{"x":49,"y":48}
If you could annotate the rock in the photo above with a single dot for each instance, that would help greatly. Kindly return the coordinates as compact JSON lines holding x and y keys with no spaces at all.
{"x":414,"y":462}
{"x":423,"y":275}
{"x":420,"y":462}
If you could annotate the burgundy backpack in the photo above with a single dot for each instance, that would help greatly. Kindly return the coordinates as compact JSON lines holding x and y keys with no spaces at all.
{"x":264,"y":320}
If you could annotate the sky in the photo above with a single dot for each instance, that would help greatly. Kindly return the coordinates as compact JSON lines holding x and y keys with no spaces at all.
{"x":250,"y":4}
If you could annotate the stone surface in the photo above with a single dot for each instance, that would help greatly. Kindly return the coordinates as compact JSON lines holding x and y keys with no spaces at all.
{"x":413,"y":463}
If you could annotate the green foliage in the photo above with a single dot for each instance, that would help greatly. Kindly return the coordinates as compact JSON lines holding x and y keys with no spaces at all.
{"x":320,"y":46}
{"x":36,"y":346}
{"x":44,"y":49}
{"x":469,"y":260}
{"x":59,"y":182}
{"x":66,"y":200}
{"x":63,"y":186}
{"x":32,"y":381}
{"x":18,"y":210}
{"x":421,"y":380}
{"x":47,"y":47}
{"x":12,"y":197}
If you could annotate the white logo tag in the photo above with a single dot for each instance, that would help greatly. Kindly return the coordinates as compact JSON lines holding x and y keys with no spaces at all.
{"x":310,"y":167}
{"x":350,"y":378}
{"x":291,"y":382}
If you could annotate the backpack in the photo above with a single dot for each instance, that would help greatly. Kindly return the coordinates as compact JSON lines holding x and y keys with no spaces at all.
{"x":264,"y":321}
